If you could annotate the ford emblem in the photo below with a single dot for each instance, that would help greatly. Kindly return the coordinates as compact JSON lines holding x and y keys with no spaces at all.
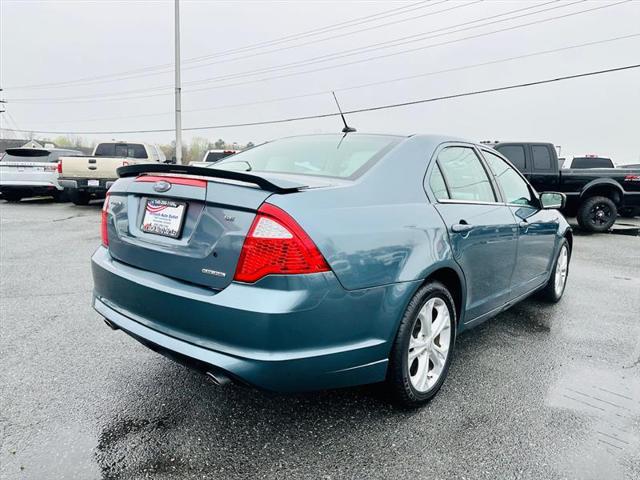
{"x":161,"y":186}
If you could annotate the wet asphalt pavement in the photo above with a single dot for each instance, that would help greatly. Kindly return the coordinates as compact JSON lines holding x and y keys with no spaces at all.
{"x":539,"y":392}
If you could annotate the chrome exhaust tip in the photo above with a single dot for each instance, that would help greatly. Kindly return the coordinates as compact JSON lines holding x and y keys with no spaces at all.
{"x":218,"y":378}
{"x":112,"y":326}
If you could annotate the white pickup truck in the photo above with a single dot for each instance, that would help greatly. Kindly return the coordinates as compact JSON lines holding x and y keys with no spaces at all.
{"x":90,"y":177}
{"x":31,"y":172}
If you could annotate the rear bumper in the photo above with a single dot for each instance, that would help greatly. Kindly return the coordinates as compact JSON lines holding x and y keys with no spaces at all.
{"x":283,"y":333}
{"x":29,"y":186}
{"x":82,"y":184}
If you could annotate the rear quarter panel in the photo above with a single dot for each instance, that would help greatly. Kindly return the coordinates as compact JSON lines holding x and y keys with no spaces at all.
{"x":380,"y":229}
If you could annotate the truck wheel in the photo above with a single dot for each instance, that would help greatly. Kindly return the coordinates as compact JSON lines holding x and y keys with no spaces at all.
{"x":79,"y":198}
{"x":423,"y":347}
{"x":597,"y":214}
{"x":60,"y":196}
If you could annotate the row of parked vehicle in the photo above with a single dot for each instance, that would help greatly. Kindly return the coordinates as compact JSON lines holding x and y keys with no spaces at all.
{"x":68,"y":175}
{"x":596,"y":191}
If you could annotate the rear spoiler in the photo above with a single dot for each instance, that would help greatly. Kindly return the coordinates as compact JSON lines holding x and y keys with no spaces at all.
{"x":271,"y":185}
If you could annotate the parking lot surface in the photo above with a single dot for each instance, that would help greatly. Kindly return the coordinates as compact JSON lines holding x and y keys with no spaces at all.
{"x":538,"y":392}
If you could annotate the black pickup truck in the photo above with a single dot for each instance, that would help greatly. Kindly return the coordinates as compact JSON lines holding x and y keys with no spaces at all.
{"x":595,"y":196}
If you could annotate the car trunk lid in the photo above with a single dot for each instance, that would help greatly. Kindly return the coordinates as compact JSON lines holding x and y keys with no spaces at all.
{"x":185,"y":226}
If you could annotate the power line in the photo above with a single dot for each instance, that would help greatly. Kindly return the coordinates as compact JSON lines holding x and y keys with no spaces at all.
{"x":92,"y":99}
{"x":379,"y":82}
{"x":317,"y":31}
{"x":359,"y":110}
{"x":323,"y":58}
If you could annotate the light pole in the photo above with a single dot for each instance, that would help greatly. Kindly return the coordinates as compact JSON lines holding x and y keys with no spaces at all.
{"x":177,"y":91}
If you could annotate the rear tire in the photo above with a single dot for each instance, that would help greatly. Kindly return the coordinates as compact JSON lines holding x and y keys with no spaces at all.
{"x":79,"y":198}
{"x":597,"y":214}
{"x":554,"y":289}
{"x":423,"y":347}
{"x":12,"y":197}
{"x":60,"y":196}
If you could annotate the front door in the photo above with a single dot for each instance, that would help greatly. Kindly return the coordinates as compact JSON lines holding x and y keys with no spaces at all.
{"x":482,"y":230}
{"x":537,"y":229}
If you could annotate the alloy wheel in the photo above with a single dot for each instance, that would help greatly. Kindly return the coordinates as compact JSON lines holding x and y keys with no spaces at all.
{"x":429,"y":344}
{"x":562,"y":268}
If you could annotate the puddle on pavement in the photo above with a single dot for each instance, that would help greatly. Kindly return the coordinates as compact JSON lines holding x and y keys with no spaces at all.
{"x":608,"y":402}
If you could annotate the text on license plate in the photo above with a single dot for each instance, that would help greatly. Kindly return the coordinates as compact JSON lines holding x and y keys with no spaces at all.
{"x":163,"y":217}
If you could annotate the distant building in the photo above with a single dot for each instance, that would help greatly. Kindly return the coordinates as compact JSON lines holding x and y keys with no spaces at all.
{"x":11,"y":143}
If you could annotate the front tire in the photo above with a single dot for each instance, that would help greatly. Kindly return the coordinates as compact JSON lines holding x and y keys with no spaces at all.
{"x":597,"y":214}
{"x":554,"y":289}
{"x":423,"y":347}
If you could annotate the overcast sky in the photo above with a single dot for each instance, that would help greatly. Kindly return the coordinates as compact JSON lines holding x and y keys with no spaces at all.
{"x":50,"y":42}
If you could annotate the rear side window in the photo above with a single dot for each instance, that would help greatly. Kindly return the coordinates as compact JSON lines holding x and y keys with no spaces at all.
{"x":591,"y":162}
{"x":318,"y":155}
{"x":130,"y":150}
{"x":515,"y":189}
{"x":515,"y":154}
{"x":541,"y":157}
{"x":437,"y":184}
{"x":464,"y":175}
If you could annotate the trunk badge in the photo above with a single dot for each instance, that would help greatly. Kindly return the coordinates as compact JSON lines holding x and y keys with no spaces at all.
{"x":161,"y":186}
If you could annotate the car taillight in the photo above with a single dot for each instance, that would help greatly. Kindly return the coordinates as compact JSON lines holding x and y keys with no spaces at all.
{"x":104,"y":230}
{"x":59,"y":166}
{"x":276,"y":244}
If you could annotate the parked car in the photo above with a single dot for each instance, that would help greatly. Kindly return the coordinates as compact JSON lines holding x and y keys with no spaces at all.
{"x":595,"y":195}
{"x":338,"y":260}
{"x":31,"y":172}
{"x":212,"y":156}
{"x":88,"y":177}
{"x":591,"y":161}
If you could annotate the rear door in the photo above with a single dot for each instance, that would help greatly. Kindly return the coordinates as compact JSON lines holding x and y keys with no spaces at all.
{"x":543,"y":174}
{"x":482,"y":229}
{"x":537,"y":228}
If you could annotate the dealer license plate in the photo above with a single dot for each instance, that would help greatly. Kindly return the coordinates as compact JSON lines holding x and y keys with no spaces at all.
{"x":163,"y":217}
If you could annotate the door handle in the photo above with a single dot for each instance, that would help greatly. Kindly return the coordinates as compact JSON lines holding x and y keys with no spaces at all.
{"x":91,"y":167}
{"x":461,"y":227}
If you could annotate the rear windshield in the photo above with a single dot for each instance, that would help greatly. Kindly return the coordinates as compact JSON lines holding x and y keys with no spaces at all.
{"x":320,"y":155}
{"x":130,"y":150}
{"x":591,"y":162}
{"x":32,"y":155}
{"x":215,"y":156}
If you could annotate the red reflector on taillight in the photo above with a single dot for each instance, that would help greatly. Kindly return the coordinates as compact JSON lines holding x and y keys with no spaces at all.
{"x":276,"y":244}
{"x":104,"y":230}
{"x":59,"y":166}
{"x":191,"y":182}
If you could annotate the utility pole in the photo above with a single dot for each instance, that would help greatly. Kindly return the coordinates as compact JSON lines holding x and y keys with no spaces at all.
{"x":1,"y":112}
{"x":178,"y":93}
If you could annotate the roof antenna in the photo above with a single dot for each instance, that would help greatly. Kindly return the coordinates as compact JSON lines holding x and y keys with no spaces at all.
{"x":347,"y":128}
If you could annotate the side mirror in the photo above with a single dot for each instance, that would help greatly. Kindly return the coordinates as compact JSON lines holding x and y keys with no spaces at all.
{"x":553,"y":200}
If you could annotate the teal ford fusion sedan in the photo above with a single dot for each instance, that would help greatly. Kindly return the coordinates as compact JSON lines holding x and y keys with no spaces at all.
{"x":325,"y":261}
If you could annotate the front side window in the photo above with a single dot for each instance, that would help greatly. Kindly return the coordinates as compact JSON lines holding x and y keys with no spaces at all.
{"x":515,"y":189}
{"x":464,"y":175}
{"x":541,"y":157}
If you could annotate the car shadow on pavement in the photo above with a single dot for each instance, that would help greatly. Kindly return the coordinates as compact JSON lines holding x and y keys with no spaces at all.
{"x":173,"y":421}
